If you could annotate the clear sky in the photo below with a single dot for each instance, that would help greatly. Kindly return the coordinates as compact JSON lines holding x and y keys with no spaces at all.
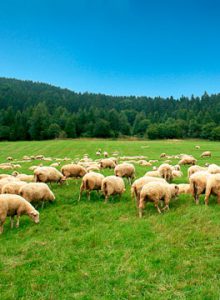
{"x":118,"y":47}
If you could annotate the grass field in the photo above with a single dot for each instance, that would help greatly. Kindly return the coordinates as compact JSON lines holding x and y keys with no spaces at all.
{"x":92,"y":250}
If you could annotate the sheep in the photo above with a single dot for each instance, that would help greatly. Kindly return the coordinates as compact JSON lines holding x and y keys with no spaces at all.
{"x":93,"y":168}
{"x":176,"y":174}
{"x":73,"y":170}
{"x":16,"y":166}
{"x":153,"y":173}
{"x":194,"y":169}
{"x":176,"y":167}
{"x":39,"y":157}
{"x":11,"y":205}
{"x":206,"y":154}
{"x":156,"y":191}
{"x":163,"y":155}
{"x":5,"y":181}
{"x":112,"y":185}
{"x":10,"y":158}
{"x":125,"y":170}
{"x":91,"y":181}
{"x":213,"y":169}
{"x":184,"y":188}
{"x":48,"y":174}
{"x":197,"y":147}
{"x":212,"y":187}
{"x":98,"y":153}
{"x":55,"y":164}
{"x":198,"y":182}
{"x":139,"y":183}
{"x":107,"y":163}
{"x":6,"y":167}
{"x":105,"y":153}
{"x":25,"y":157}
{"x":187,"y":160}
{"x":165,"y":171}
{"x":36,"y":192}
{"x":24,"y":177}
{"x":13,"y":187}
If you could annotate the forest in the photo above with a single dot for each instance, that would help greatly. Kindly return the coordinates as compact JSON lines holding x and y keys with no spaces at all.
{"x":37,"y":111}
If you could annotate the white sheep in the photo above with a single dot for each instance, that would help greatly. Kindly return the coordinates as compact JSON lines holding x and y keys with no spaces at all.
{"x":198,"y":182}
{"x":48,"y":174}
{"x":125,"y":170}
{"x":73,"y":170}
{"x":112,"y":185}
{"x":213,"y":187}
{"x":91,"y":181}
{"x":11,"y":205}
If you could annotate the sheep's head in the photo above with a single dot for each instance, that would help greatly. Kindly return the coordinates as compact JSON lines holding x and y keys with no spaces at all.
{"x":35,"y":216}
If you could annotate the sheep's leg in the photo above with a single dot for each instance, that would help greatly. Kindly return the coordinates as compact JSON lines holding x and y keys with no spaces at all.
{"x":12,"y":222}
{"x":207,"y":195}
{"x":141,"y":207}
{"x":18,"y":221}
{"x":80,"y":193}
{"x":218,"y":198}
{"x":157,"y":207}
{"x":88,"y":195}
{"x":129,"y":180}
{"x":2,"y":221}
{"x":106,"y":198}
{"x":140,"y":212}
{"x":42,"y":205}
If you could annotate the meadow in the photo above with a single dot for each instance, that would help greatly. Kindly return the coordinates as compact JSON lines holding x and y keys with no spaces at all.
{"x":91,"y":250}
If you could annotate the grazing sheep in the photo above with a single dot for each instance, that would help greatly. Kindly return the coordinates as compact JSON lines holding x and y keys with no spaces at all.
{"x":176,"y":167}
{"x":98,"y":153}
{"x":187,"y":160}
{"x":112,"y":185}
{"x":23,"y":177}
{"x":184,"y":188}
{"x":93,"y":168}
{"x":206,"y":154}
{"x":6,"y":180}
{"x":165,"y":171}
{"x":9,"y":158}
{"x":13,"y":187}
{"x":176,"y":174}
{"x":105,"y":153}
{"x":125,"y":170}
{"x":198,"y":182}
{"x":55,"y":164}
{"x":73,"y":170}
{"x":153,"y":174}
{"x":213,"y":169}
{"x":197,"y":147}
{"x":194,"y":169}
{"x":107,"y":163}
{"x":91,"y":181}
{"x":25,"y":157}
{"x":139,"y":183}
{"x":48,"y":174}
{"x":156,"y":191}
{"x":36,"y":192}
{"x":163,"y":155}
{"x":11,"y":205}
{"x":212,"y":187}
{"x":6,"y":167}
{"x":39,"y":157}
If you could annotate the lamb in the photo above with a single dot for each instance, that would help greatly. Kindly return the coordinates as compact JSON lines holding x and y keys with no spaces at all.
{"x":11,"y":205}
{"x":213,"y":169}
{"x":198,"y":184}
{"x":165,"y":171}
{"x":156,"y":191}
{"x":73,"y":170}
{"x":48,"y":174}
{"x":194,"y":169}
{"x":125,"y":170}
{"x":187,"y":160}
{"x":213,"y":187}
{"x":91,"y":181}
{"x":107,"y":163}
{"x":37,"y":192}
{"x":13,"y":187}
{"x":206,"y":154}
{"x":184,"y":188}
{"x":140,"y":182}
{"x":112,"y":185}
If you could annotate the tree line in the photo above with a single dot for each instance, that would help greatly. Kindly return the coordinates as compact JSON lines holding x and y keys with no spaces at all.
{"x":38,"y":111}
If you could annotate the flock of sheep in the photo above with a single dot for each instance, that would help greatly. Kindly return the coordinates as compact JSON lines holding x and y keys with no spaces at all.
{"x":19,"y":192}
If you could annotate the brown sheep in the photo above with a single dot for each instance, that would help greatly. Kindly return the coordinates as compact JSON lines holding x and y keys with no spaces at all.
{"x":112,"y":185}
{"x":11,"y":205}
{"x":156,"y":191}
{"x":187,"y":160}
{"x":91,"y":181}
{"x":107,"y":163}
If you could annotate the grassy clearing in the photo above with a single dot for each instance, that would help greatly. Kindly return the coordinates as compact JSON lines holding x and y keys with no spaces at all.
{"x":90,"y":250}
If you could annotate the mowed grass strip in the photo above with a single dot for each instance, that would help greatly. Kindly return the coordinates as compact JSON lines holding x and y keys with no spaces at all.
{"x":92,"y":250}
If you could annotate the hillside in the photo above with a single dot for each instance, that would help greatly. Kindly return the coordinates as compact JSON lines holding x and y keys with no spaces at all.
{"x":37,"y":111}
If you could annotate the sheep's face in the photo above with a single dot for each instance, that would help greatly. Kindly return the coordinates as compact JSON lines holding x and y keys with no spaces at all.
{"x":52,"y":197}
{"x":35,"y":216}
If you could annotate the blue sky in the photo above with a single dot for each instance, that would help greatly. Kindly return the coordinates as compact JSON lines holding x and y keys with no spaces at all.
{"x":118,"y":47}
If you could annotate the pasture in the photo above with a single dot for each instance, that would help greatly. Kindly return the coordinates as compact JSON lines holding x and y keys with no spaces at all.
{"x":91,"y":250}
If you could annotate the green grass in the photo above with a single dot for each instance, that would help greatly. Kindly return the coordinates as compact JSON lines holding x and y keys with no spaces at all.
{"x":92,"y":250}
